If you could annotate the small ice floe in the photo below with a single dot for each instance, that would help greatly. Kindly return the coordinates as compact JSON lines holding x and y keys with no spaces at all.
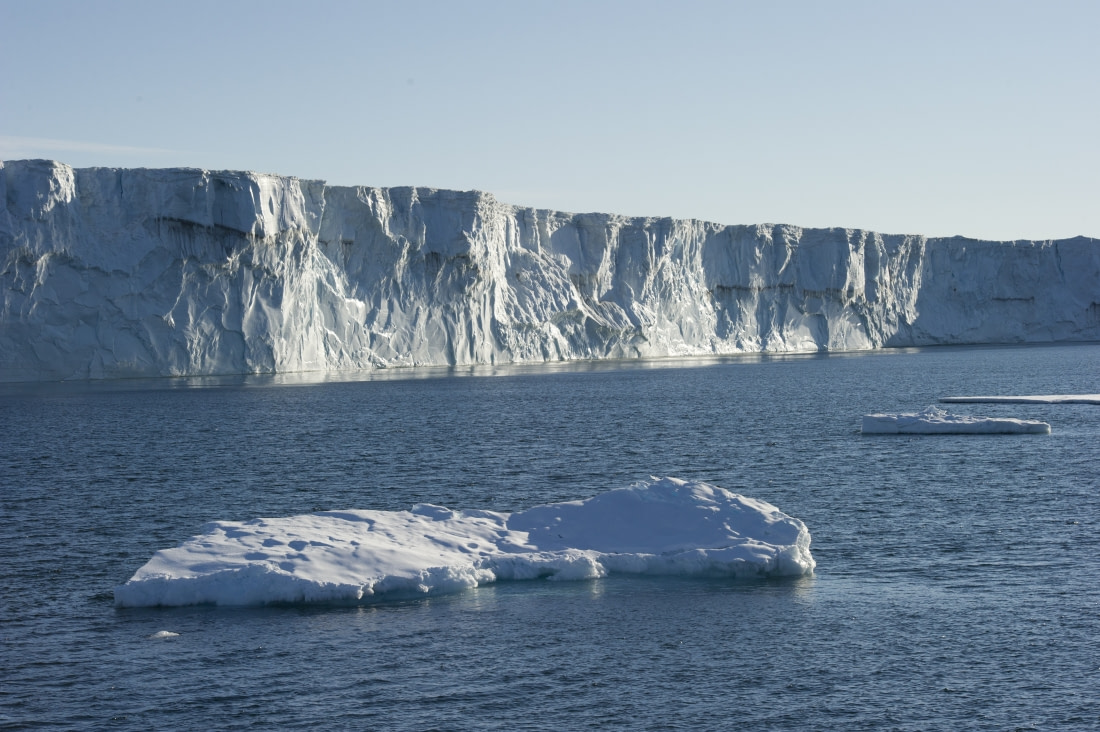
{"x":658,"y":527}
{"x":935,"y":421}
{"x":162,"y":634}
{"x":1034,"y":399}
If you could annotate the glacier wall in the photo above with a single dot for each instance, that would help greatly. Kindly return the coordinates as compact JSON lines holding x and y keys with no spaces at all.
{"x":110,"y":273}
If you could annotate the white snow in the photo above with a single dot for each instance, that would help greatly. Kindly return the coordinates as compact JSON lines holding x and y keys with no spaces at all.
{"x":662,"y":526}
{"x":935,"y":421}
{"x":1036,"y":399}
{"x":112,"y":273}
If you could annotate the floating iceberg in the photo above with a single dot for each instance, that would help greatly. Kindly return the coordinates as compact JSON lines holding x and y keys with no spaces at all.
{"x":1036,"y":399}
{"x":934,"y":421}
{"x":663,"y":526}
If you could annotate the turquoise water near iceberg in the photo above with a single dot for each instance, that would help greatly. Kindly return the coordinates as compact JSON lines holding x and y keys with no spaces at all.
{"x":957,"y":579}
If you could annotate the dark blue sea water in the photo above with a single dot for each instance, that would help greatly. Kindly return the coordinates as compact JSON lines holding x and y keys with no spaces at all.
{"x":958,"y":580}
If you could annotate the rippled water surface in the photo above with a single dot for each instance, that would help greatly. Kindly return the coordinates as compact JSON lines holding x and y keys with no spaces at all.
{"x":958,"y":581}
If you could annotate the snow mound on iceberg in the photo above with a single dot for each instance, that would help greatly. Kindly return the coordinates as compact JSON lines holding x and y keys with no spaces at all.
{"x":935,"y":421}
{"x":662,"y":526}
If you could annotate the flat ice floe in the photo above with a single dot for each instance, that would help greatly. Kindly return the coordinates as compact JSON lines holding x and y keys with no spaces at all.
{"x":934,"y":421}
{"x":662,"y":526}
{"x":1036,"y":399}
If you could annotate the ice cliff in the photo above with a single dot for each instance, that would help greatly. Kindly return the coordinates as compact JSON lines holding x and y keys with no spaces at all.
{"x":117,"y":272}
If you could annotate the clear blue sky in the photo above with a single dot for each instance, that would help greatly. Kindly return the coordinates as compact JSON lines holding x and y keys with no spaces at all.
{"x":934,"y":117}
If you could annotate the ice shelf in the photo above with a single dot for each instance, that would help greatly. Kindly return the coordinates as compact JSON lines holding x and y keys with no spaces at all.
{"x":114,"y":273}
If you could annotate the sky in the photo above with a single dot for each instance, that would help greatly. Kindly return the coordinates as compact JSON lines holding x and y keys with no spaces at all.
{"x":978,"y":118}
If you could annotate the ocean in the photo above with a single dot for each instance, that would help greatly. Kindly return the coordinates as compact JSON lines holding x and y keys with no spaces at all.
{"x":957,"y":582}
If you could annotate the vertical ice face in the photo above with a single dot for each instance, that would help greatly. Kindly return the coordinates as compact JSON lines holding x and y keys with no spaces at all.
{"x":112,"y":273}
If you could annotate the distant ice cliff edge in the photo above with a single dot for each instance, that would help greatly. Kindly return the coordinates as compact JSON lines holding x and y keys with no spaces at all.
{"x":661,"y":526}
{"x":109,"y":273}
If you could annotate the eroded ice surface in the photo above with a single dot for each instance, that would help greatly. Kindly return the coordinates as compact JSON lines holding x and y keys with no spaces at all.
{"x":935,"y":421}
{"x":1035,"y":399}
{"x":662,"y":526}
